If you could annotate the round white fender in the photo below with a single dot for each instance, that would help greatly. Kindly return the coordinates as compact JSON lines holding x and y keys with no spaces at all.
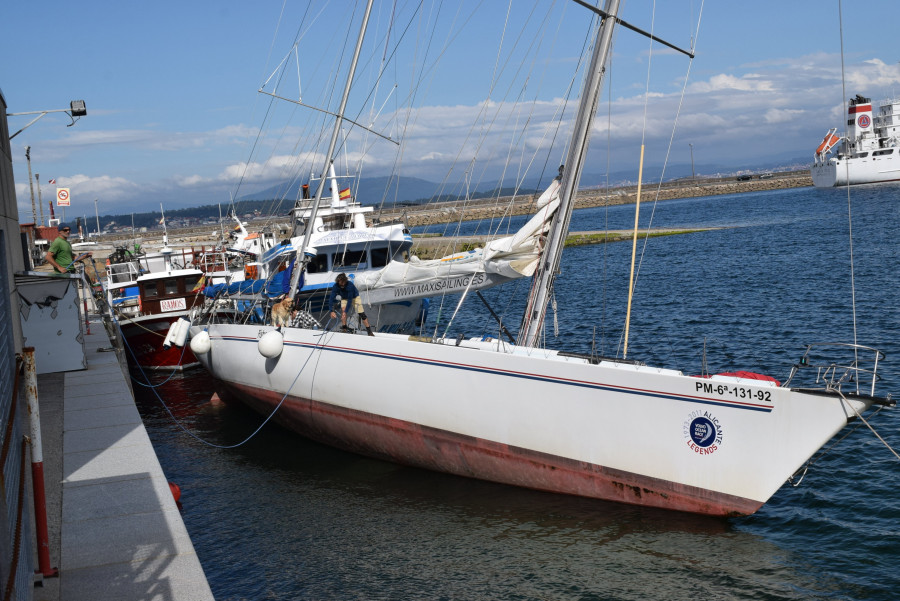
{"x":200,"y":344}
{"x":271,"y":344}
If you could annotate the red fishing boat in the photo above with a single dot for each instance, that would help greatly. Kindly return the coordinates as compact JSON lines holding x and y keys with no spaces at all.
{"x":148,"y":309}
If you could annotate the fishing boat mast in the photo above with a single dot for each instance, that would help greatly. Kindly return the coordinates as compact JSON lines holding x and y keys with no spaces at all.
{"x":542,"y":287}
{"x":302,"y":258}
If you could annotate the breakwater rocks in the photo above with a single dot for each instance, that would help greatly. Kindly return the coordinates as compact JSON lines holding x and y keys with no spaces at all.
{"x":492,"y":208}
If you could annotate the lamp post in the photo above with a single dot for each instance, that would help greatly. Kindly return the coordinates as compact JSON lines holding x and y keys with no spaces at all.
{"x":37,"y":179}
{"x":97,"y":215}
{"x":693,"y":182}
{"x":31,"y":184}
{"x":76,"y":109}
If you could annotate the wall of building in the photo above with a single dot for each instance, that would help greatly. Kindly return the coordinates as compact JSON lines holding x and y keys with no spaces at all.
{"x":9,"y":221}
{"x":16,"y":539}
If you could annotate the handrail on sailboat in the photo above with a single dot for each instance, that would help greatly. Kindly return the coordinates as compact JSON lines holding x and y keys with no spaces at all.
{"x":832,"y":372}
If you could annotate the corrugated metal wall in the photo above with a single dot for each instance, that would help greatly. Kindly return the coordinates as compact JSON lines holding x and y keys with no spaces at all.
{"x":16,"y":552}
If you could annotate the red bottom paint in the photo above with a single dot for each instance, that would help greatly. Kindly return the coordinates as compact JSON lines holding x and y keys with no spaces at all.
{"x":430,"y":448}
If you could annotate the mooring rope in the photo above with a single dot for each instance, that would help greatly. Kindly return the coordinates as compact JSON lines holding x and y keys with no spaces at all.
{"x":325,"y":331}
{"x":868,"y":425}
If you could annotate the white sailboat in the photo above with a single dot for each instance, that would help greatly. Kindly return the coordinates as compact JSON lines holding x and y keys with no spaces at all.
{"x":544,"y":419}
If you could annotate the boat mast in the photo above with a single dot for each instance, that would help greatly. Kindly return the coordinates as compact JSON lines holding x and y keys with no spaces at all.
{"x":302,"y":259}
{"x":533,"y":320}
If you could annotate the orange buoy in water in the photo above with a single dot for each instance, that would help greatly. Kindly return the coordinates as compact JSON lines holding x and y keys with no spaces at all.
{"x":176,"y":491}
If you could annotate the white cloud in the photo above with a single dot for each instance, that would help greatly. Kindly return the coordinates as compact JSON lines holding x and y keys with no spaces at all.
{"x":725,"y":81}
{"x":733,"y":115}
{"x":773,"y":116}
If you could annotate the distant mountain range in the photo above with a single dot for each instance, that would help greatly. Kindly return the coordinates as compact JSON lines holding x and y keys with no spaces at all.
{"x":400,"y":190}
{"x":388,"y":190}
{"x":391,"y":190}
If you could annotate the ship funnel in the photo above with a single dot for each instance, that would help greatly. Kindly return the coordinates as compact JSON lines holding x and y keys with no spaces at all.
{"x":859,"y":117}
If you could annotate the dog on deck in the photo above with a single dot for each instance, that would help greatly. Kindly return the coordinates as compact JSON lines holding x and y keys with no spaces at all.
{"x":281,"y":312}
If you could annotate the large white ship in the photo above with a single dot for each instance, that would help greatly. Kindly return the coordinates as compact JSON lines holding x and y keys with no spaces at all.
{"x":868,"y":153}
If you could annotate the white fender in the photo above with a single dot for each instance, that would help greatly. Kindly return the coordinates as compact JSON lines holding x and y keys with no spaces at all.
{"x":200,"y":344}
{"x":271,"y":344}
{"x":184,"y":326}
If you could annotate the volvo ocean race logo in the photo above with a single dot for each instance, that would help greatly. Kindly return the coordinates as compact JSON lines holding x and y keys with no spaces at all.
{"x":864,"y":121}
{"x":702,"y":432}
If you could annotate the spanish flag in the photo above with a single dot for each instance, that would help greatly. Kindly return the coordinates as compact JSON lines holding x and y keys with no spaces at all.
{"x":344,"y":194}
{"x":201,"y":283}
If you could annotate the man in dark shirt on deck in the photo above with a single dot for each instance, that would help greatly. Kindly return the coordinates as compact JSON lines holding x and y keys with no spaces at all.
{"x":345,"y":295}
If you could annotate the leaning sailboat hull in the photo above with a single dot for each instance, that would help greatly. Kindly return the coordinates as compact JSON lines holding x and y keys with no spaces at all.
{"x":413,"y":444}
{"x":537,"y":419}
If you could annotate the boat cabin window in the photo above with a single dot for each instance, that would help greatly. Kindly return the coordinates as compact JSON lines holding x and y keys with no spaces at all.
{"x":190,"y":282}
{"x":334,"y":222}
{"x":397,"y":254}
{"x":860,"y":155}
{"x":318,"y":264}
{"x":879,"y":153}
{"x":379,"y":257}
{"x":350,"y":258}
{"x":168,"y":287}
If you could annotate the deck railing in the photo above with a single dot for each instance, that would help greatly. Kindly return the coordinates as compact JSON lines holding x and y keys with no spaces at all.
{"x":837,"y":366}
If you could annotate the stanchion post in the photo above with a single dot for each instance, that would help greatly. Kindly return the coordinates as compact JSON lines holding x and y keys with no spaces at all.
{"x":37,"y":466}
{"x":84,"y":297}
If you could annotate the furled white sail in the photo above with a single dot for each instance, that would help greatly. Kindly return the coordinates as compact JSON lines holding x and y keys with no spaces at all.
{"x":499,"y":261}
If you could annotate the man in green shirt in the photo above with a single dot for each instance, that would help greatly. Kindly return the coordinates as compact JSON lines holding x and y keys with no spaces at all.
{"x":60,"y":252}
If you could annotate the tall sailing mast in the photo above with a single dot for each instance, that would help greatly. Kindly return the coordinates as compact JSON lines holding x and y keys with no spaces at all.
{"x":329,"y":155}
{"x":544,"y":277}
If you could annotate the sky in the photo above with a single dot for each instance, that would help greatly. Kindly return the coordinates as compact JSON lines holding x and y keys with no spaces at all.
{"x":472,"y":90}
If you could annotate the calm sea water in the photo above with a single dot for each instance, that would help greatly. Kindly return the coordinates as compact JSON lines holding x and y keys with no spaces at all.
{"x":284,"y":518}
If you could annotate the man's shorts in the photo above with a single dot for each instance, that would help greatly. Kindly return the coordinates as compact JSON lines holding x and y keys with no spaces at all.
{"x":357,"y":304}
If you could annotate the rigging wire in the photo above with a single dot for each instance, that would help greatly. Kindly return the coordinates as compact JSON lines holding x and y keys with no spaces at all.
{"x":847,"y":168}
{"x":668,"y":153}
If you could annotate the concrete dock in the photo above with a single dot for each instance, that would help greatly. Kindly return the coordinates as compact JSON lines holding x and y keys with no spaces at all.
{"x":115,"y":530}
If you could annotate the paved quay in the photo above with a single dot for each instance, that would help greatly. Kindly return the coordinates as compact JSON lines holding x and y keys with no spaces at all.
{"x":115,"y":530}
